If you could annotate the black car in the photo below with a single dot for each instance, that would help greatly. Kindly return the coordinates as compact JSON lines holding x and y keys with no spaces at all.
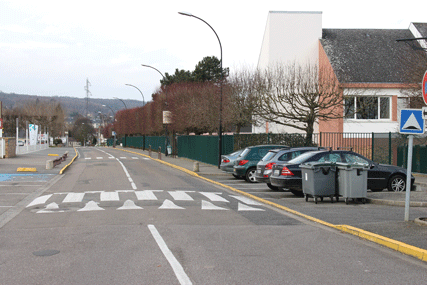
{"x":380,"y":176}
{"x":277,"y":156}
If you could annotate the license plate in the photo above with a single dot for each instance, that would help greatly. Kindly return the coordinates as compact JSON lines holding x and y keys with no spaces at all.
{"x":276,"y":172}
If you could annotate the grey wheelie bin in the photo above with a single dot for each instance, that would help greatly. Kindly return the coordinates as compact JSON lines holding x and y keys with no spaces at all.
{"x":318,"y":180}
{"x":352,"y":181}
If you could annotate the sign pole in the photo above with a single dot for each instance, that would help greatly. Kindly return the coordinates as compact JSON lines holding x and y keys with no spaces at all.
{"x":408,"y":177}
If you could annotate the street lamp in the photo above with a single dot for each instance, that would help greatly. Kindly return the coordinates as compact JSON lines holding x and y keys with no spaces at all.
{"x":222,"y":77}
{"x":143,"y":99}
{"x":166,"y":107}
{"x":114,"y":121}
{"x":122,"y":101}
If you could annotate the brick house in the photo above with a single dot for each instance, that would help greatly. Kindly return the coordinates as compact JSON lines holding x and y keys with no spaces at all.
{"x":369,"y":65}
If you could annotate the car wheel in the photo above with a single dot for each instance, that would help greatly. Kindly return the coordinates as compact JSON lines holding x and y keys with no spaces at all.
{"x":250,"y":175}
{"x":275,"y":188}
{"x":297,"y":193}
{"x":397,"y":183}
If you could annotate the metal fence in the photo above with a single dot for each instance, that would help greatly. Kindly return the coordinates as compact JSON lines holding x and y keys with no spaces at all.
{"x":387,"y":148}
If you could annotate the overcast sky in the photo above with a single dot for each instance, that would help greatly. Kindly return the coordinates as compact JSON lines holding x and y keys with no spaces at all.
{"x":50,"y":48}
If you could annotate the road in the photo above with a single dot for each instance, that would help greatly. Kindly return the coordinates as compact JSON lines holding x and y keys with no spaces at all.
{"x":120,"y":218}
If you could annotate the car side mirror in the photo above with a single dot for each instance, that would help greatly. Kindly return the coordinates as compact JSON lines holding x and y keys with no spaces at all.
{"x":372,"y":165}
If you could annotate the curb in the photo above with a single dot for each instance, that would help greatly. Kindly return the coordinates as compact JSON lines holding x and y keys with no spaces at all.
{"x":396,"y":203}
{"x":381,"y":240}
{"x":66,"y":166}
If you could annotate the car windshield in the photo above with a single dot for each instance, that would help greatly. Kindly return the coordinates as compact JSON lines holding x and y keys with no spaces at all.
{"x":269,"y":156}
{"x":302,"y":158}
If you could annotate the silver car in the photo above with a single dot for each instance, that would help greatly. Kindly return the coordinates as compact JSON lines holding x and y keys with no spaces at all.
{"x":265,"y":166}
{"x":227,"y":162}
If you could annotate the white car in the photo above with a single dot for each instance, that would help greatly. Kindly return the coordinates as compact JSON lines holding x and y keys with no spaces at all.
{"x":21,"y":143}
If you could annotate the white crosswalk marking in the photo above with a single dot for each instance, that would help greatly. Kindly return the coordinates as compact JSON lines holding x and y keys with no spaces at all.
{"x":243,"y":207}
{"x":129,"y":205}
{"x":246,"y":200}
{"x":109,"y":196}
{"x":168,"y":204}
{"x":181,"y":195}
{"x":88,"y":158}
{"x":39,"y":200}
{"x":73,"y":198}
{"x":214,"y":197}
{"x":91,"y":206}
{"x":147,"y":194}
{"x":244,"y":203}
{"x":209,"y":206}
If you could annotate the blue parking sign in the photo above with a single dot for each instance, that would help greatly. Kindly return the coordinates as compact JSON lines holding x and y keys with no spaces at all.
{"x":411,"y":121}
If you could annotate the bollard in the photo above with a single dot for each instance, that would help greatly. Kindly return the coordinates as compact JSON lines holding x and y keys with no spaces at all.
{"x":196,"y":166}
{"x":159,"y":155}
{"x":49,"y":164}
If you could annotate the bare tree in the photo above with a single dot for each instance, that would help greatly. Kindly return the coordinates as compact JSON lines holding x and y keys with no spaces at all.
{"x":298,"y":96}
{"x":413,"y":64}
{"x":241,"y":87}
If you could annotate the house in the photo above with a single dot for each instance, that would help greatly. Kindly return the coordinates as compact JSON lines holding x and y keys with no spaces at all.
{"x":370,"y":65}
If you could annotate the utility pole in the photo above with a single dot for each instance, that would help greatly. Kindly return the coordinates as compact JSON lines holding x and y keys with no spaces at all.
{"x":87,"y":96}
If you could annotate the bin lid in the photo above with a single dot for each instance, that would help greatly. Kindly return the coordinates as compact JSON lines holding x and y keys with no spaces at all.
{"x":316,"y":164}
{"x":344,"y":165}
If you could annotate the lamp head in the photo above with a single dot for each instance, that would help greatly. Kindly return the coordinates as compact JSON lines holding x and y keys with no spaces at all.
{"x":186,"y":14}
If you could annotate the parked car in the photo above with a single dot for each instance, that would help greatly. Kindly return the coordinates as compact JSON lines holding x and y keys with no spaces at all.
{"x":245,"y":164}
{"x":21,"y":143}
{"x":277,"y":156}
{"x":380,"y":176}
{"x":227,"y":162}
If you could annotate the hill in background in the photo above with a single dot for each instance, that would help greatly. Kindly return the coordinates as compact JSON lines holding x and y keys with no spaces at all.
{"x":71,"y":105}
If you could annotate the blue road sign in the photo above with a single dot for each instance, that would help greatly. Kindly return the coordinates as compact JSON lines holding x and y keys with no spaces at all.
{"x":411,"y":121}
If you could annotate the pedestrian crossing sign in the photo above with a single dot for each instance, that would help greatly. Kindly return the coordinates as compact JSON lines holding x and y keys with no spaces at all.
{"x":411,"y":121}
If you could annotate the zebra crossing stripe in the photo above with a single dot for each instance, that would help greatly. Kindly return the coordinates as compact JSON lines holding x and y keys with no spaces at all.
{"x":73,"y":198}
{"x":181,"y":195}
{"x":243,"y":207}
{"x":214,"y":197}
{"x":246,"y":200}
{"x":146,"y":194}
{"x":109,"y":196}
{"x":40,"y":200}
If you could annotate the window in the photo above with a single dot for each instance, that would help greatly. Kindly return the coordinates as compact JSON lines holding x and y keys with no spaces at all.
{"x":351,"y":158}
{"x":366,"y":107}
{"x":330,"y":157}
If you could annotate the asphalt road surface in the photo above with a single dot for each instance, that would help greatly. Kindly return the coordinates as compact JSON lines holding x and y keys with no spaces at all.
{"x":119,"y":218}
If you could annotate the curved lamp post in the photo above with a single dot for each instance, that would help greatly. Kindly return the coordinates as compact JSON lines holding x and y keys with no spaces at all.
{"x":166,"y":103}
{"x":114,"y":120}
{"x":143,"y":99}
{"x":122,"y":101}
{"x":222,"y":77}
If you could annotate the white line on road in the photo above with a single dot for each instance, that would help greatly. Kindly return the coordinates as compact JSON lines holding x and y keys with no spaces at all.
{"x":176,"y":266}
{"x":127,"y":175}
